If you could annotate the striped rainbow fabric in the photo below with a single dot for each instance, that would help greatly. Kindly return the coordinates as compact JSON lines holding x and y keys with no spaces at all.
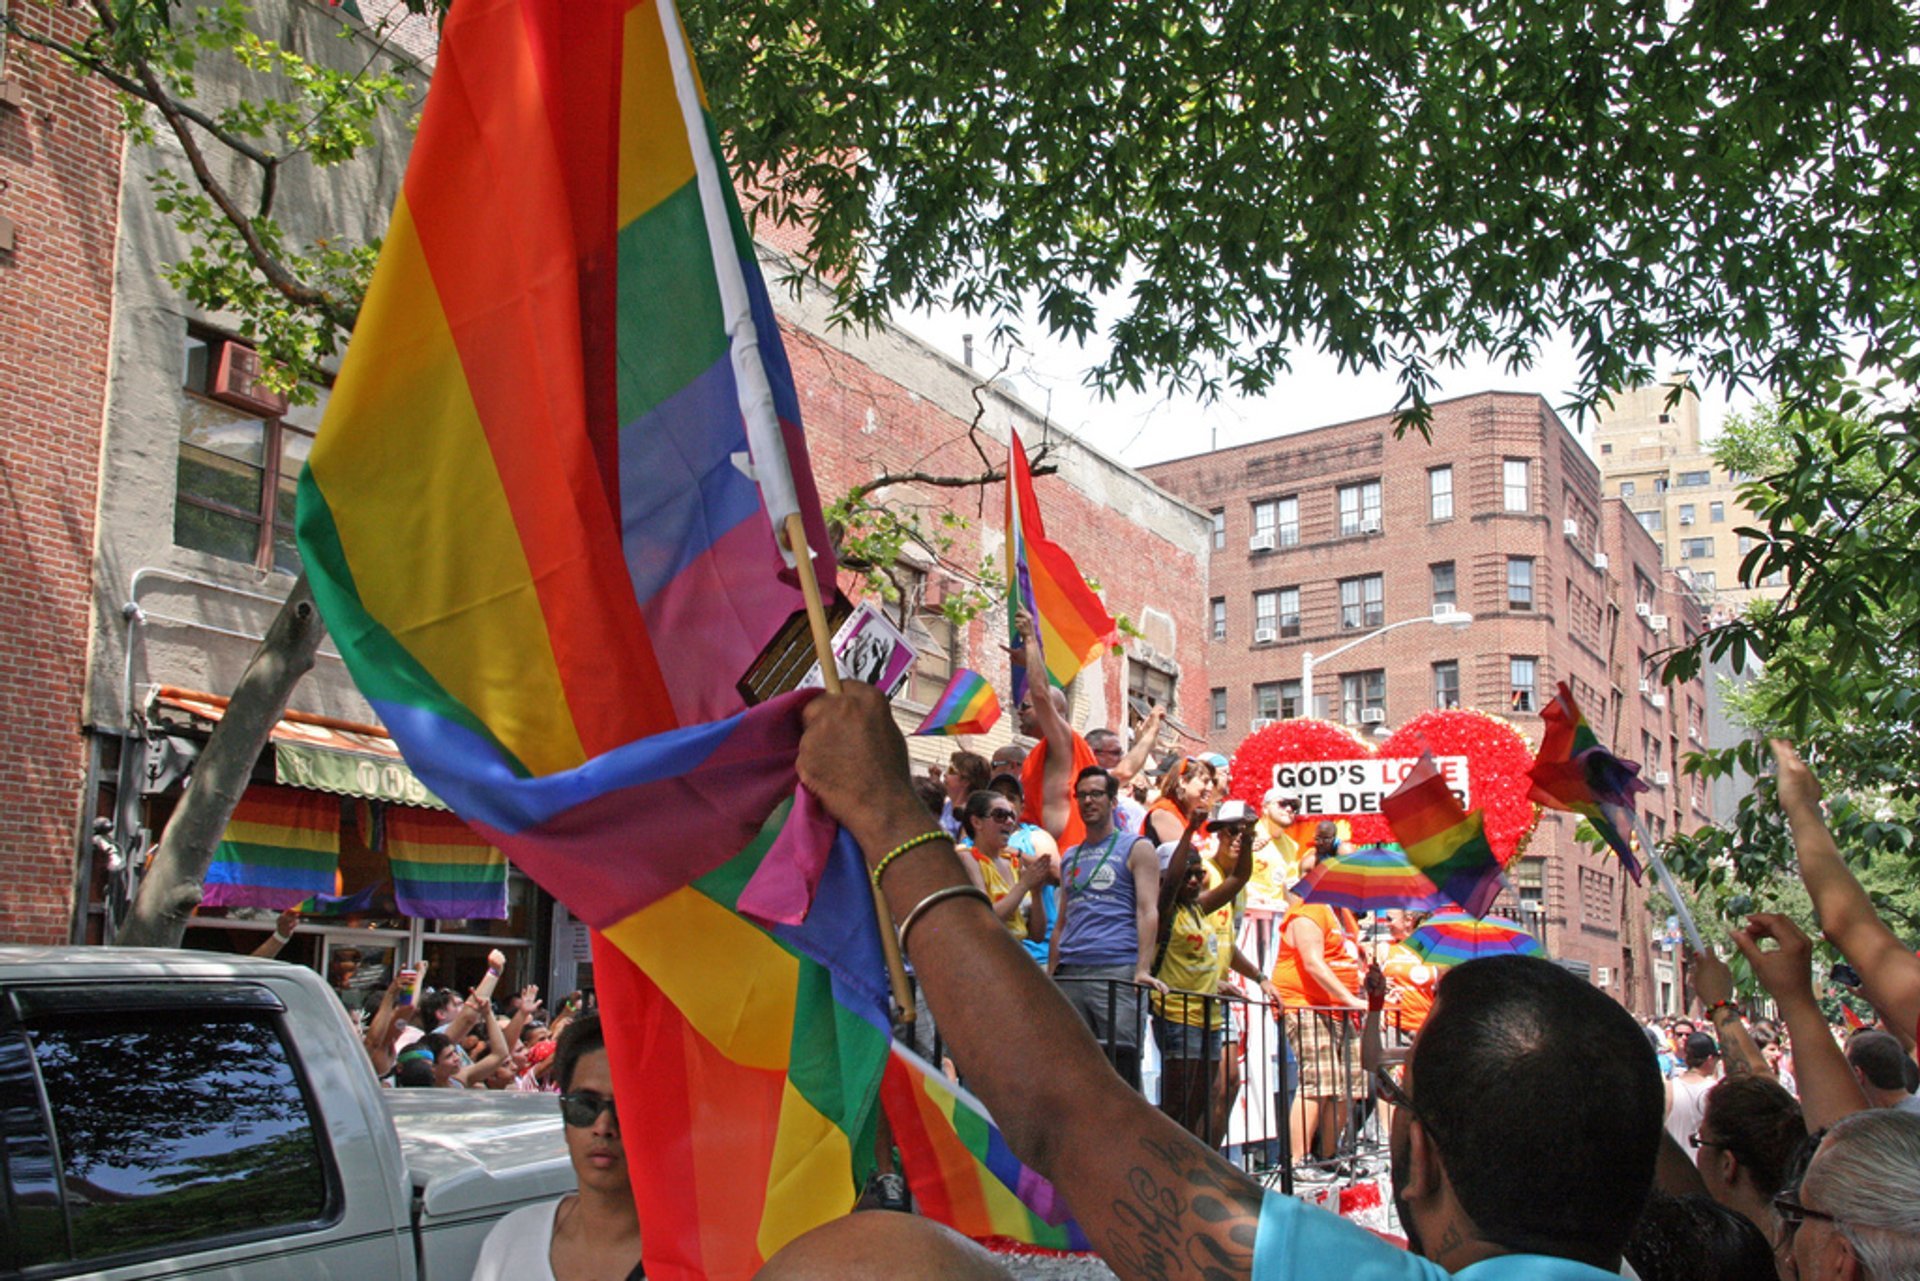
{"x":539,"y":519}
{"x":1573,"y":772}
{"x":1074,"y":625}
{"x":281,"y":846}
{"x":960,"y":1168}
{"x":967,"y":705}
{"x":442,"y":868}
{"x":1442,"y":839}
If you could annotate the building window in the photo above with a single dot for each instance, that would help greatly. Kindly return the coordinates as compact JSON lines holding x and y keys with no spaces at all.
{"x":1219,"y":530}
{"x":1747,"y":543}
{"x":1659,"y":484}
{"x":241,"y":450}
{"x":1653,"y":522}
{"x":935,"y":640}
{"x":1523,"y":676}
{"x":1519,"y":582}
{"x":1289,"y":611}
{"x":1218,"y":701}
{"x":1218,"y":607}
{"x":1716,"y":512}
{"x":1606,"y":449}
{"x":1440,"y":493}
{"x":1278,"y":517}
{"x":1446,"y":684}
{"x":1626,"y":489}
{"x":1643,"y":594}
{"x":1696,"y":549}
{"x":1705,"y":581}
{"x":1362,"y":602}
{"x":1266,"y":702}
{"x":1695,"y":479}
{"x":1360,"y":508}
{"x":1361,"y":692}
{"x":1689,"y":513}
{"x":1445,"y":591}
{"x":1266,"y":611}
{"x":1514,"y":496}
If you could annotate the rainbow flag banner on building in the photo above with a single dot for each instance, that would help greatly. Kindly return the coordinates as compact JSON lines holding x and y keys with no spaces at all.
{"x":968,"y":705}
{"x":1074,"y":625}
{"x":959,"y":1167}
{"x":442,"y":868}
{"x":281,"y":846}
{"x":540,"y":520}
{"x":1448,"y":844}
{"x":1573,"y":772}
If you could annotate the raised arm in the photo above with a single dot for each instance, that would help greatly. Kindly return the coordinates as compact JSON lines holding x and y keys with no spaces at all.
{"x":1890,"y":975}
{"x":1713,"y":984}
{"x":1177,"y":865}
{"x":1136,"y":758}
{"x":476,"y":1073}
{"x":1057,"y":778}
{"x":1149,"y":1195}
{"x":1213,"y":899}
{"x":1828,"y":1090}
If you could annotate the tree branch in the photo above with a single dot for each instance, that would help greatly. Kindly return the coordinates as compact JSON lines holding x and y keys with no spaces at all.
{"x":992,"y":476}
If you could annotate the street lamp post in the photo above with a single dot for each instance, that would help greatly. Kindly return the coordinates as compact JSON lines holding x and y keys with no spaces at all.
{"x":1454,"y":618}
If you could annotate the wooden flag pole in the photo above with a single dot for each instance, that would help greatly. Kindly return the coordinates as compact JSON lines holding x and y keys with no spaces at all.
{"x":830,"y":677}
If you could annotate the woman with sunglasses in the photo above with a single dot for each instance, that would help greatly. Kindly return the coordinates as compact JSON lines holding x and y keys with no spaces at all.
{"x":989,"y":819}
{"x":1189,"y":783}
{"x":594,"y":1233}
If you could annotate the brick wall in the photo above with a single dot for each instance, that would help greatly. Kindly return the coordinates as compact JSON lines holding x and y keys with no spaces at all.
{"x":60,"y":163}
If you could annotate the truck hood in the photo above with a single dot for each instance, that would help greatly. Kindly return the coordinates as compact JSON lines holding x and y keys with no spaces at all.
{"x":478,"y":1150}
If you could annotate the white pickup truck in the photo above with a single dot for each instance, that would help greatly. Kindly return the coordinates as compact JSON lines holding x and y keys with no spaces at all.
{"x":187,"y":1115}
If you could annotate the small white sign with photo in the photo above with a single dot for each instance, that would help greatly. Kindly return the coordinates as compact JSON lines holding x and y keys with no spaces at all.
{"x":868,"y":647}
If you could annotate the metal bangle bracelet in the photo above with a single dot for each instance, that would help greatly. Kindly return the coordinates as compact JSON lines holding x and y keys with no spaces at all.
{"x":951,"y":891}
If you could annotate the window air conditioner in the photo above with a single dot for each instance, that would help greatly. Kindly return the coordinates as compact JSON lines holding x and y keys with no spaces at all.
{"x":1373,"y":716}
{"x":1661,"y":778}
{"x":1646,"y":687}
{"x":1570,"y":527}
{"x":1265,"y":636}
{"x":1657,"y":621}
{"x":1600,"y":561}
{"x":1643,"y":609}
{"x":1659,"y":702}
{"x":1603,"y":976}
{"x":1686,"y":520}
{"x":1693,"y":734}
{"x":1262,"y":541}
{"x":237,"y":382}
{"x":1443,"y":611}
{"x":1369,"y":526}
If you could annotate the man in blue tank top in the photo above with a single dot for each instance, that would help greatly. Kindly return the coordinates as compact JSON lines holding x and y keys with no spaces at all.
{"x":1108,"y":923}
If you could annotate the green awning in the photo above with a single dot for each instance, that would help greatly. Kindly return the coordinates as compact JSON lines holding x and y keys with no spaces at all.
{"x":375,"y":778}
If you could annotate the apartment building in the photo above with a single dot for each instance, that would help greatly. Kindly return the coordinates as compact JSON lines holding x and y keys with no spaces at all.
{"x":1364,"y":579}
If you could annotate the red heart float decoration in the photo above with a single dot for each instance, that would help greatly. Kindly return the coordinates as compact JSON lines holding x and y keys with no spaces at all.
{"x":1498,"y":757}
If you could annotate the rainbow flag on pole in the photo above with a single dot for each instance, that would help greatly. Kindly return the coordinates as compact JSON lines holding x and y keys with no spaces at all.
{"x":1074,"y":625}
{"x":960,"y":1168}
{"x":967,"y":705}
{"x":1442,"y":839}
{"x":1573,"y":772}
{"x":281,"y":846}
{"x":540,"y":520}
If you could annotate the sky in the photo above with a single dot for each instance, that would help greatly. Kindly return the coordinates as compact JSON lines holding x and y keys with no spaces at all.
{"x":1139,"y":429}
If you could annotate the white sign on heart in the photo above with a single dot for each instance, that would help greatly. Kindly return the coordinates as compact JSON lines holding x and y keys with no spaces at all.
{"x":1358,"y":786}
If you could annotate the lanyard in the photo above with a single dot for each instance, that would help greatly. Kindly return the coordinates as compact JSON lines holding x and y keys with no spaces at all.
{"x":1107,"y":854}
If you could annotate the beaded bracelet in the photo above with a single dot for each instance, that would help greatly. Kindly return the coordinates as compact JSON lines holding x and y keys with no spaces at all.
{"x":912,"y":842}
{"x":1724,"y":1005}
{"x":940,"y":895}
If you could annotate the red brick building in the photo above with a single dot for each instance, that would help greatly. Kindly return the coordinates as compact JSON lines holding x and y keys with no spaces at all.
{"x":60,"y":150}
{"x":1324,"y":537}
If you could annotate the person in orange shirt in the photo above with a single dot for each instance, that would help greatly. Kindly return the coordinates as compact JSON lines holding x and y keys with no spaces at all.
{"x":1318,"y":968}
{"x":1047,"y":773}
{"x":1410,"y":980}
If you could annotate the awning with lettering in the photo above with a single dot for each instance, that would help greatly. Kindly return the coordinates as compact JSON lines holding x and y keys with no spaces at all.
{"x":322,"y":753}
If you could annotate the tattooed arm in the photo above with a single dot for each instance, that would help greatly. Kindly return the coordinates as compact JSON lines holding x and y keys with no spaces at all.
{"x":1713,"y":984}
{"x":1154,"y":1201}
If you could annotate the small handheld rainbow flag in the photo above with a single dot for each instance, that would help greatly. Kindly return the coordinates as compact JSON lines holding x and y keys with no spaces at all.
{"x":1073,"y":624}
{"x":1572,"y":772}
{"x":959,"y":1166}
{"x":1442,"y":839}
{"x":967,"y":705}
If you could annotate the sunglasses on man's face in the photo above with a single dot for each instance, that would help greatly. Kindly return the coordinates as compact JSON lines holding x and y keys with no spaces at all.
{"x":582,"y":1110}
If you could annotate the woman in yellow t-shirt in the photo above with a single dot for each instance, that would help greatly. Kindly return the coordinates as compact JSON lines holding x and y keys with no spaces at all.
{"x":1188,"y":1024}
{"x":988,"y":819}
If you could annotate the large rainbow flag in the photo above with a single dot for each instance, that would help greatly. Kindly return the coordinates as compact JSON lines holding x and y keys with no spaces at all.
{"x":1573,"y":772}
{"x":540,"y":521}
{"x":443,"y":869}
{"x":1073,"y":624}
{"x":281,"y":846}
{"x":1442,"y":839}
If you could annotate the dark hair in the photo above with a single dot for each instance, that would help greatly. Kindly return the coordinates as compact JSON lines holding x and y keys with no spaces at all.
{"x":433,"y":1006}
{"x":972,"y":767}
{"x":580,"y":1037}
{"x":978,"y":806}
{"x":1699,"y":1047}
{"x":932,"y":793}
{"x":1179,"y":772}
{"x":1563,"y":1163}
{"x":1695,"y":1238}
{"x":414,"y":1073}
{"x":1760,"y":1123}
{"x":1880,"y":1059}
{"x":1094,"y":771}
{"x":1009,"y":786}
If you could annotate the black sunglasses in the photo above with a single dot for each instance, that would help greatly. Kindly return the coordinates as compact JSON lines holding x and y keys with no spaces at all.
{"x":1387,"y":1081}
{"x":582,"y":1110}
{"x":1694,"y":1140}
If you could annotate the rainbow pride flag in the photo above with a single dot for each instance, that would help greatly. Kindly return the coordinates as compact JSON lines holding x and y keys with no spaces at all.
{"x":1442,"y":839}
{"x":442,"y":868}
{"x":281,"y":847}
{"x":1573,"y":772}
{"x":959,"y":1167}
{"x":540,"y":519}
{"x":967,"y":705}
{"x":1074,"y":625}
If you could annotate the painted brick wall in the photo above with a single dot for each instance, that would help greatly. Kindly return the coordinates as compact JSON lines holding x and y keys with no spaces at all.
{"x":60,"y":164}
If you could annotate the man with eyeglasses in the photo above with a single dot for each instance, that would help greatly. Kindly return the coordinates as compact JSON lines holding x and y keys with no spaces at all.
{"x":1856,"y":1214}
{"x":1107,"y":923}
